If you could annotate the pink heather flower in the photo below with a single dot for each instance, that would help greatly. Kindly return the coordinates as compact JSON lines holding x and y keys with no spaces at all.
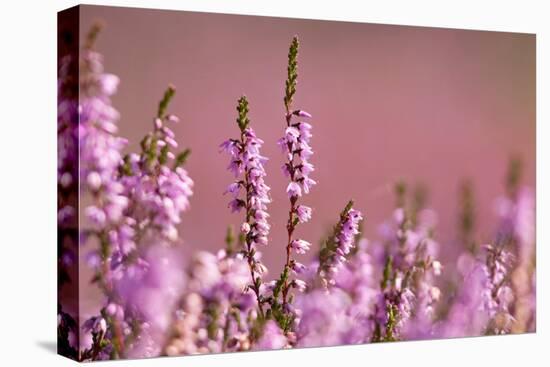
{"x":436,"y":265}
{"x":272,"y":337}
{"x":260,"y":268}
{"x":94,"y":181}
{"x":95,"y":215}
{"x":236,"y":205}
{"x":158,"y":123}
{"x":307,"y":183}
{"x":115,"y":310}
{"x":299,"y":284}
{"x":300,"y":246}
{"x":298,"y":268}
{"x":306,"y":168}
{"x":305,"y":130}
{"x":230,"y":146}
{"x":109,"y":83}
{"x":270,"y":286}
{"x":304,"y":213}
{"x":301,"y":113}
{"x":245,"y":228}
{"x":399,"y":215}
{"x":173,"y":118}
{"x":291,"y":135}
{"x":285,"y":170}
{"x":94,"y":325}
{"x":294,"y":190}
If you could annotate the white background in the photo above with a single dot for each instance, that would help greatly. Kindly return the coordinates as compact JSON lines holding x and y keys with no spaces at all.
{"x":28,"y":180}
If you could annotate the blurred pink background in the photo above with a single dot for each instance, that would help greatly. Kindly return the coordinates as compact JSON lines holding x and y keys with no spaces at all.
{"x":388,"y":102}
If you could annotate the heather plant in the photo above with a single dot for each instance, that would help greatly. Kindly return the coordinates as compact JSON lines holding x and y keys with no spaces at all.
{"x":297,"y":168}
{"x":100,"y":152}
{"x":247,"y":165}
{"x":159,"y":298}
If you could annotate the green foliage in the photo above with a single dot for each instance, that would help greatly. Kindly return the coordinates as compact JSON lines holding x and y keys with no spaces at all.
{"x":242,"y":108}
{"x":163,"y":104}
{"x":392,"y":322}
{"x":181,"y":158}
{"x":419,"y":200}
{"x":163,"y":157}
{"x":467,"y":218}
{"x":292,"y":71}
{"x":400,"y":194}
{"x":388,"y":271}
{"x":126,"y":167}
{"x":91,"y":37}
{"x":277,"y":312}
{"x":257,"y":328}
{"x":230,"y":240}
{"x":514,"y":174}
{"x":213,"y":317}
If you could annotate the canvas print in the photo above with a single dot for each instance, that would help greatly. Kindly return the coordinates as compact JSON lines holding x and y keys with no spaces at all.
{"x":232,"y":183}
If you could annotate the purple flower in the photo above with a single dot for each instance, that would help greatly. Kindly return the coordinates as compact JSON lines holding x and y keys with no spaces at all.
{"x":297,"y":267}
{"x":304,"y":213}
{"x":272,"y":337}
{"x":294,"y":190}
{"x":300,"y":246}
{"x":299,"y":284}
{"x":467,"y":315}
{"x":301,"y":113}
{"x":322,"y":319}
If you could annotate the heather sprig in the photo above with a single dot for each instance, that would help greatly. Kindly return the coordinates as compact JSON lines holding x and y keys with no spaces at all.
{"x":295,"y":146}
{"x":136,"y":200}
{"x":249,"y":192}
{"x":100,"y":156}
{"x":394,"y":303}
{"x":338,"y":246}
{"x":292,"y":73}
{"x":159,"y":192}
{"x":155,"y":179}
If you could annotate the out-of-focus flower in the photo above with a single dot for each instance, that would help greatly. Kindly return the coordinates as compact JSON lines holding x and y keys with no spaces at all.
{"x":323,"y":319}
{"x":272,"y":337}
{"x":498,"y":295}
